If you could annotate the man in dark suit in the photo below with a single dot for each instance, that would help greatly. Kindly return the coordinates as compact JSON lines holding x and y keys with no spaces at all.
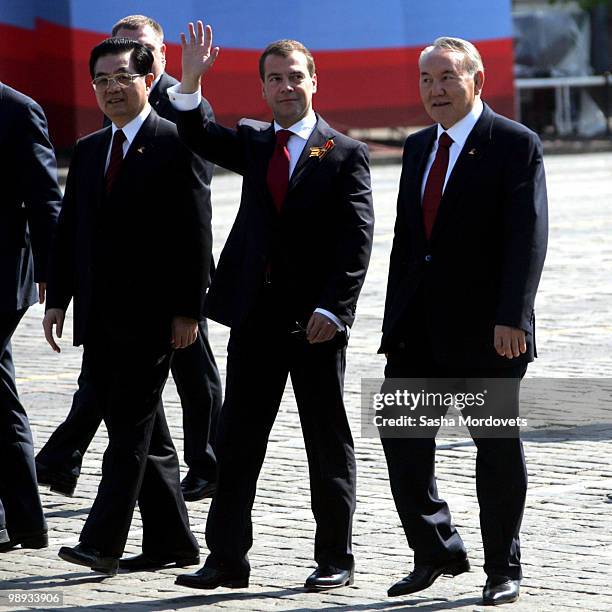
{"x":194,"y":369}
{"x":287,"y":284}
{"x":28,"y":214}
{"x":133,"y":218}
{"x":469,"y":247}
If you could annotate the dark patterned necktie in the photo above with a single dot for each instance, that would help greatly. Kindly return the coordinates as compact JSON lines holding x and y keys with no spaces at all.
{"x":432,"y":195}
{"x":278,"y":169}
{"x":116,"y":158}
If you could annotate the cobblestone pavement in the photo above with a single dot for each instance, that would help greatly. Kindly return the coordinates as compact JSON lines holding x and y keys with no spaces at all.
{"x":566,"y":536}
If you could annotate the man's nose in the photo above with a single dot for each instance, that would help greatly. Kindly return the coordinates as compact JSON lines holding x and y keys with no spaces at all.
{"x":113,"y":85}
{"x":437,"y":88}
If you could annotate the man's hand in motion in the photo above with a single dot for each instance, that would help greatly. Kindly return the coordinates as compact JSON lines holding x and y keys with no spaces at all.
{"x":54,"y":316}
{"x":184,"y":332}
{"x":198,"y":56}
{"x":509,"y":341}
{"x":320,"y":328}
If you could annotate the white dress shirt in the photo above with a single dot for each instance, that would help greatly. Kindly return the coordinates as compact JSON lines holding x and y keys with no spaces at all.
{"x":301,"y":132}
{"x":459,"y":133}
{"x":130,"y":130}
{"x":183,"y":101}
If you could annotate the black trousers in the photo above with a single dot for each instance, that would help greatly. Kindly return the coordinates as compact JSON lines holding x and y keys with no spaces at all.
{"x":140,"y":464}
{"x":20,"y":508}
{"x":260,"y":358}
{"x":501,"y":479}
{"x":199,"y":386}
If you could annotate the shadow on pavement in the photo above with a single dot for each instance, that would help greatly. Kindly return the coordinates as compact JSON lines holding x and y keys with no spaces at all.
{"x":204,"y":600}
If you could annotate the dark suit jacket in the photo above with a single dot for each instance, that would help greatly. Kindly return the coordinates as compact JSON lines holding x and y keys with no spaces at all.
{"x":30,"y":200}
{"x":319,"y":246}
{"x":140,"y":255}
{"x":483,"y":262}
{"x":159,"y":100}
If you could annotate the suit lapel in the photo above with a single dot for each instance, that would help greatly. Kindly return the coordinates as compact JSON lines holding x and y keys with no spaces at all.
{"x":101,"y":154}
{"x":307,"y":164}
{"x":3,"y":118}
{"x":266,"y":141}
{"x":158,"y":98}
{"x":92,"y":183}
{"x":417,"y":183}
{"x":263,"y":143}
{"x":414,"y":211}
{"x":465,"y":170}
{"x":138,"y":152}
{"x":156,"y":94}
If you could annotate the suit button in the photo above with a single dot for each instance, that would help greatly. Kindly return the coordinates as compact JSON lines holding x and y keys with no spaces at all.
{"x":401,"y":345}
{"x":427,"y":258}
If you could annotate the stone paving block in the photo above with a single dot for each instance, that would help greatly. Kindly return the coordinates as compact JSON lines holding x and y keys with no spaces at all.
{"x":566,"y":538}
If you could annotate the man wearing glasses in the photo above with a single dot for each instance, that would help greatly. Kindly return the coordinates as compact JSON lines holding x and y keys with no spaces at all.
{"x":133,"y":219}
{"x":58,"y":463}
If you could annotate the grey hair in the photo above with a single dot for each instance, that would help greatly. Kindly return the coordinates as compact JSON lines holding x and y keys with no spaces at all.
{"x":472,"y":62}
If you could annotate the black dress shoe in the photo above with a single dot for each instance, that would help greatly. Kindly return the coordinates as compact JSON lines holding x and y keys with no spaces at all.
{"x":65,"y":484}
{"x":423,"y":576}
{"x":212,"y":578}
{"x":327,"y":577}
{"x":195,"y":488}
{"x":32,"y":539}
{"x":89,"y":557}
{"x":147,"y":562}
{"x":500,"y":590}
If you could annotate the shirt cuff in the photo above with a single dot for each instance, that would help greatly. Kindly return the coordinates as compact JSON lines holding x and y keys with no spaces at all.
{"x":184,"y":101}
{"x":339,"y":324}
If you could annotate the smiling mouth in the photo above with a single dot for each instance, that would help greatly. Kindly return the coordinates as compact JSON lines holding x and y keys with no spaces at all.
{"x":440,"y":104}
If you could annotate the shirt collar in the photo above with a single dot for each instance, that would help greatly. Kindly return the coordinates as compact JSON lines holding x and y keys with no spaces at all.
{"x":460,"y":131}
{"x":303,"y":128}
{"x":131,"y":129}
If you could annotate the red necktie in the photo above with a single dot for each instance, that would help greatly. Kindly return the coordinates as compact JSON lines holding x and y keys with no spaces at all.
{"x":278,"y":169}
{"x":116,"y":157}
{"x":435,"y":183}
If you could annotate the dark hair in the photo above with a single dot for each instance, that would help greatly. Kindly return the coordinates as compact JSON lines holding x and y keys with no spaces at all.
{"x":133,"y":22}
{"x":141,"y":57}
{"x":284,"y":48}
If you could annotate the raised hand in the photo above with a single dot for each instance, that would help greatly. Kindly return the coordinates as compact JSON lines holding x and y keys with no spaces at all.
{"x":198,"y":56}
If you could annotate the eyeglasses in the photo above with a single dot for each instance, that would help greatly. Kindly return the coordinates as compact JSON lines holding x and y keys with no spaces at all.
{"x":122,"y":79}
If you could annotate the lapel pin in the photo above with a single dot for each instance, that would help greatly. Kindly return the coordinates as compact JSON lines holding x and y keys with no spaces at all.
{"x":472,"y":152}
{"x":141,"y":149}
{"x":321,"y":152}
